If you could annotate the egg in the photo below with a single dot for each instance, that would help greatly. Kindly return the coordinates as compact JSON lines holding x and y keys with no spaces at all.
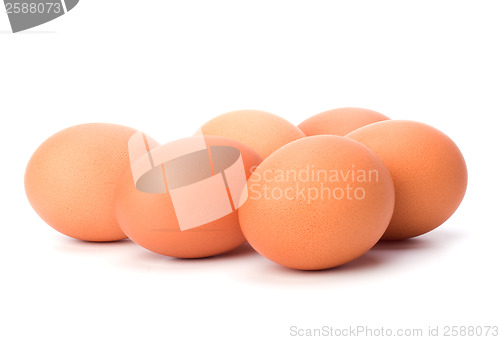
{"x":428,"y":169}
{"x":317,"y":203}
{"x":261,"y":131}
{"x":167,"y":221}
{"x":340,"y":121}
{"x":70,"y":180}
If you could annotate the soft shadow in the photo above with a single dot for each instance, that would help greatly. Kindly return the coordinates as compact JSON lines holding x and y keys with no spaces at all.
{"x":269,"y":273}
{"x":384,"y":258}
{"x":142,"y":258}
{"x":404,"y":245}
{"x":242,"y":251}
{"x":432,"y":240}
{"x":79,"y":246}
{"x":364,"y":262}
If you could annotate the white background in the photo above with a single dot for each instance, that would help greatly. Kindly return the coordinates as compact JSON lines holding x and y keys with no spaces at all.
{"x":166,"y":67}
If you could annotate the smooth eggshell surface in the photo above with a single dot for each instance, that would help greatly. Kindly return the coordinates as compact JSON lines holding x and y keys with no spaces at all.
{"x":70,"y":180}
{"x":340,"y":121}
{"x":149,"y":219}
{"x":317,"y":203}
{"x":262,"y":131}
{"x":428,"y":169}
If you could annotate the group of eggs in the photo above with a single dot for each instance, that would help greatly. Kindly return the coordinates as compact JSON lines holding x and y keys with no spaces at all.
{"x":320,"y":194}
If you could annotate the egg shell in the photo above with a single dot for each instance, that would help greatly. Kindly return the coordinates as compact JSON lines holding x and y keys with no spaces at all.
{"x":428,"y":169}
{"x":340,"y":121}
{"x":262,"y":131}
{"x":298,"y":231}
{"x":70,"y":180}
{"x":149,"y":219}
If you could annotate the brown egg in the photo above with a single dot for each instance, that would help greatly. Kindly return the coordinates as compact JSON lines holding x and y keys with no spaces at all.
{"x":428,"y":169}
{"x":70,"y":180}
{"x":153,"y":221}
{"x":317,"y":203}
{"x":340,"y":121}
{"x":262,"y":131}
